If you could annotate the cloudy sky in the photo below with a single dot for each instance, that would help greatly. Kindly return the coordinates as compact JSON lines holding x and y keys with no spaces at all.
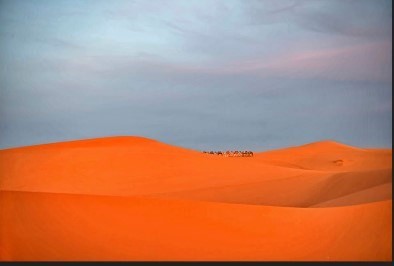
{"x":203,"y":74}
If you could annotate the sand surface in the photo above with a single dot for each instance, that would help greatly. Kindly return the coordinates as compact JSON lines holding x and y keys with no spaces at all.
{"x":133,"y":198}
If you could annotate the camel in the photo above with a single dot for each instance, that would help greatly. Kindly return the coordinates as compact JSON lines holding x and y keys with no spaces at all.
{"x":231,"y":153}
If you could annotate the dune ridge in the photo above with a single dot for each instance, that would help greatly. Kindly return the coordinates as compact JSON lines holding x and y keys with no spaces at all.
{"x":331,"y":199}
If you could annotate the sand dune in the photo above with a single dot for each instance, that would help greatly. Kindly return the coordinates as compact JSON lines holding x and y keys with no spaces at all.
{"x":372,"y":194}
{"x":81,"y":227}
{"x":125,"y":166}
{"x":133,"y":198}
{"x":299,"y":191}
{"x":329,"y":156}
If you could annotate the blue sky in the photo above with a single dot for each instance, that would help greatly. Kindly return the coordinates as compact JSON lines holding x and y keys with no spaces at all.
{"x":206,"y":74}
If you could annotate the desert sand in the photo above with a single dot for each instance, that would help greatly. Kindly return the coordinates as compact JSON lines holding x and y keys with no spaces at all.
{"x":133,"y":198}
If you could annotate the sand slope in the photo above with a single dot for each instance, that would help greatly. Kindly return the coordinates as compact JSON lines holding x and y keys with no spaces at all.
{"x":81,"y":227}
{"x":132,"y":198}
{"x":329,"y":156}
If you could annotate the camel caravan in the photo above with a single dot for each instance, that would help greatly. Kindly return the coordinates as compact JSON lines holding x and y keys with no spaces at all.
{"x":231,"y":153}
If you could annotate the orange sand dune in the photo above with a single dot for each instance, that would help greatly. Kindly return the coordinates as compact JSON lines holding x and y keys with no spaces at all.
{"x":376,"y":193}
{"x":300,"y":191}
{"x":133,"y":198}
{"x":329,"y":156}
{"x":125,"y":166}
{"x":88,"y":227}
{"x":140,"y":166}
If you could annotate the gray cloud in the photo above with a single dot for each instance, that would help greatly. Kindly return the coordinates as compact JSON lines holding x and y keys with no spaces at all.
{"x":359,"y":18}
{"x":200,"y":74}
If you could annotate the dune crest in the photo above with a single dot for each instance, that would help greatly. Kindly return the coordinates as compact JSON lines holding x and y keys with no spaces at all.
{"x":329,"y":145}
{"x":329,"y":156}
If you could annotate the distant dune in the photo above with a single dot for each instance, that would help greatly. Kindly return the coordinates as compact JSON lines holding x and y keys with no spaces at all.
{"x":133,"y":198}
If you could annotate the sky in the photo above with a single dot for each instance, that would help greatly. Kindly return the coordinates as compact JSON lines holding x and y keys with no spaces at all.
{"x":202,"y":74}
